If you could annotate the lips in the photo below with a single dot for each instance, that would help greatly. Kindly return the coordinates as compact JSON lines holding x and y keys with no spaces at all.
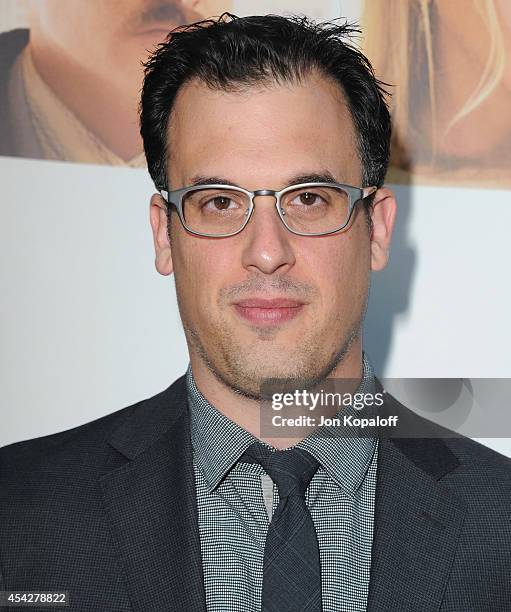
{"x":266,"y":303}
{"x":268,"y":312}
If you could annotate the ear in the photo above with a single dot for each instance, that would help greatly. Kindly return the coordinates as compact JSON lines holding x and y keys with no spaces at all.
{"x":383,"y":215}
{"x":159,"y":225}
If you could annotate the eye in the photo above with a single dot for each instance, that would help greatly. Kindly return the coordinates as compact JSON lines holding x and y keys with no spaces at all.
{"x":307,"y":198}
{"x":219,"y":202}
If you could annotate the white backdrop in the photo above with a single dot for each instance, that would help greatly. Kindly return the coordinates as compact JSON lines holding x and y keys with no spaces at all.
{"x":88,"y":326}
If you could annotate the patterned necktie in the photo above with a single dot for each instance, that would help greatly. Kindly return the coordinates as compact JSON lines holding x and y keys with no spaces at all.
{"x":291,"y":568}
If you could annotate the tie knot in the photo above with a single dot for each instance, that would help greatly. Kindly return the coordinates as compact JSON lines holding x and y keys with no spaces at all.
{"x":291,"y":470}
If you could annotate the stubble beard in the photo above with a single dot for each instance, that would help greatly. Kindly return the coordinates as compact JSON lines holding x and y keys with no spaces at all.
{"x":233,"y":364}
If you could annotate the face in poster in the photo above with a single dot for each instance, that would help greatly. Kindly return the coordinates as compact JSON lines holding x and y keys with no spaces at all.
{"x":70,"y":80}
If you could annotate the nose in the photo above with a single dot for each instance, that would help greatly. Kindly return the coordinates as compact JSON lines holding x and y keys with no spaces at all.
{"x":267,"y":246}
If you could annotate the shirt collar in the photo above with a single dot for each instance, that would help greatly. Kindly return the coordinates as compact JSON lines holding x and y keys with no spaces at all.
{"x":345,"y":458}
{"x":218,"y":442}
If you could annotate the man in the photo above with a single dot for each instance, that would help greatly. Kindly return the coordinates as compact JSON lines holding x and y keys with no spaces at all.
{"x":70,"y":83}
{"x":268,"y":141}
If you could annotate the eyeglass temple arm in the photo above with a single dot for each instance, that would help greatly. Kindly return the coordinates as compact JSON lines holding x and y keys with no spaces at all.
{"x":367,"y":191}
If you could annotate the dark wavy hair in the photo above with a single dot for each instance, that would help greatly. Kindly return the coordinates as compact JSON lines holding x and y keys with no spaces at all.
{"x":233,"y":53}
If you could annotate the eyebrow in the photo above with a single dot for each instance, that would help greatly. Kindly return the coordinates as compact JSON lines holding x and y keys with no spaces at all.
{"x":310,"y":177}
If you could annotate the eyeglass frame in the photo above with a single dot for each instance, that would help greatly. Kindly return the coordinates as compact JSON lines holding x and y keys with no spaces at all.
{"x":355,"y":195}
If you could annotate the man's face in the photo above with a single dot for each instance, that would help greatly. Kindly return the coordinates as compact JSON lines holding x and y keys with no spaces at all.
{"x":110,"y":38}
{"x":261,"y":139}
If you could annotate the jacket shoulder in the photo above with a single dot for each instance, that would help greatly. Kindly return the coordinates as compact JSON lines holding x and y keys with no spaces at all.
{"x":471,"y":464}
{"x":84,"y":446}
{"x":480,"y":459}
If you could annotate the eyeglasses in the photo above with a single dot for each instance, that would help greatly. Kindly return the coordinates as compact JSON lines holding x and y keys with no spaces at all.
{"x":307,"y":209}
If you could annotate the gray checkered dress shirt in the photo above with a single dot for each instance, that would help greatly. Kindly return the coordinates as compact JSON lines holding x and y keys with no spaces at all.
{"x":236,"y":500}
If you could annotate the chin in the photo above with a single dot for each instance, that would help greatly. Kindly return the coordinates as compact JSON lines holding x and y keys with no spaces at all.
{"x":246,"y":376}
{"x":244,"y":365}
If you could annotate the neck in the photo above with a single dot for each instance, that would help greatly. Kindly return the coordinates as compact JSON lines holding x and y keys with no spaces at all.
{"x":100,"y":105}
{"x":247,"y":412}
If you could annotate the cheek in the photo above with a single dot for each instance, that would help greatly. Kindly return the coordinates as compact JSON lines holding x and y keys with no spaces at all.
{"x":341,"y":269}
{"x":199,"y":272}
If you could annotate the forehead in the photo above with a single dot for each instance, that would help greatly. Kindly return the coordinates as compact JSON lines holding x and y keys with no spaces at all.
{"x":262,"y":133}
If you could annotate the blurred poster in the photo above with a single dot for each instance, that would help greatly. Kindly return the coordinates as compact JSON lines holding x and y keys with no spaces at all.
{"x":71,"y":72}
{"x":448,"y":63}
{"x":70,"y":77}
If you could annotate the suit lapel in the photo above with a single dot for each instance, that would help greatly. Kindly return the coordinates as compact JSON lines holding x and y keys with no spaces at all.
{"x":417,"y":523}
{"x":151,"y":504}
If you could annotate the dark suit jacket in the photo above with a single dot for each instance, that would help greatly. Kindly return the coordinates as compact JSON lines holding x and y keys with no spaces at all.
{"x":108,"y":512}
